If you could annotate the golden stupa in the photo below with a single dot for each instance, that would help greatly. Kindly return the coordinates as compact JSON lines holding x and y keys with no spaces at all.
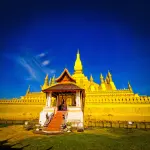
{"x":102,"y":101}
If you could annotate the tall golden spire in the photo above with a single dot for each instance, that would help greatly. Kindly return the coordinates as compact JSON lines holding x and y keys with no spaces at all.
{"x":50,"y":81}
{"x":46,"y":76}
{"x":107,"y":79}
{"x":46,"y":80}
{"x":53,"y":80}
{"x":102,"y":82}
{"x":109,"y":76}
{"x":28,"y":90}
{"x":110,"y":81}
{"x":78,"y":64}
{"x":102,"y":78}
{"x":129,"y":86}
{"x":46,"y":84}
{"x":91,"y":78}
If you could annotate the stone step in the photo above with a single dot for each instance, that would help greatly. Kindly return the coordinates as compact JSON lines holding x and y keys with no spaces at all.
{"x":55,"y":124}
{"x":53,"y":128}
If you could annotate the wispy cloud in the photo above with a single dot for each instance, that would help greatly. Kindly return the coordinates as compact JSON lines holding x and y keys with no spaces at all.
{"x":41,"y":55}
{"x":43,"y":66}
{"x":37,"y":63}
{"x":45,"y":63}
{"x":27,"y":66}
{"x":35,"y":67}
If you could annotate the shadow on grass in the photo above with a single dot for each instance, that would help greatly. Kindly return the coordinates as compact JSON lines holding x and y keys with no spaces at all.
{"x":135,"y":140}
{"x":5,"y":146}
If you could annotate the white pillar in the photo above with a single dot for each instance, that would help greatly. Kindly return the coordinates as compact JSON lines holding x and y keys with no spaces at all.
{"x":49,"y":98}
{"x":78,"y":102}
{"x":81,"y":99}
{"x":46,"y":99}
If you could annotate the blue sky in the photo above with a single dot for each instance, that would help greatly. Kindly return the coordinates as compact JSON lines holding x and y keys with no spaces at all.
{"x":39,"y":38}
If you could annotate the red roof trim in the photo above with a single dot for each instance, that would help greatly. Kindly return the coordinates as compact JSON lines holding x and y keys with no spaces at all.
{"x":63,"y":87}
{"x":61,"y":90}
{"x":63,"y":73}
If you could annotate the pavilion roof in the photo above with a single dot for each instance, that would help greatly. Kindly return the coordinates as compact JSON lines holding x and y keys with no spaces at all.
{"x":65,"y":77}
{"x":63,"y":87}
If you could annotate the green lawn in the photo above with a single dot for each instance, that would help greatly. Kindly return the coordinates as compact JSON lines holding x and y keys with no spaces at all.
{"x":94,"y":139}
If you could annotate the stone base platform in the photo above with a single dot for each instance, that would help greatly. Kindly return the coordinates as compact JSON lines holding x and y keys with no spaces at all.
{"x":48,"y":132}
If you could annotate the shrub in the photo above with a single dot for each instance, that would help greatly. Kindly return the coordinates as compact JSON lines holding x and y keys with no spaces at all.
{"x":30,"y":125}
{"x":69,"y":124}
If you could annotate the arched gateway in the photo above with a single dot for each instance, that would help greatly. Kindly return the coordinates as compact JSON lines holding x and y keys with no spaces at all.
{"x":69,"y":99}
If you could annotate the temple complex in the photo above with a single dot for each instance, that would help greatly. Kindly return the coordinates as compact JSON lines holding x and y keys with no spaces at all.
{"x":82,"y":99}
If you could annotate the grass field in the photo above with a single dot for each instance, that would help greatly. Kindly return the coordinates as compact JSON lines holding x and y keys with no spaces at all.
{"x":93,"y":139}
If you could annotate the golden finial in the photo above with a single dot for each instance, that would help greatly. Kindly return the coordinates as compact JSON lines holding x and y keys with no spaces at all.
{"x":101,"y":78}
{"x":78,"y":54}
{"x":28,"y":90}
{"x":78,"y":51}
{"x":46,"y":76}
{"x":50,"y":81}
{"x":78,"y":64}
{"x":107,"y":79}
{"x":91,"y":78}
{"x":109,"y":74}
{"x":53,"y":79}
{"x":129,"y":86}
{"x":46,"y":82}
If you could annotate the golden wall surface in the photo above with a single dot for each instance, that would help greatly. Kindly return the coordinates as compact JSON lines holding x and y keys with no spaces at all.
{"x":115,"y":106}
{"x":20,"y":111}
{"x":117,"y":112}
{"x":26,"y":108}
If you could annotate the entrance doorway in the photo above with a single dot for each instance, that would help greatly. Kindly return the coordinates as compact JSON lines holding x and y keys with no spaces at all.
{"x":65,"y":100}
{"x":62,"y":106}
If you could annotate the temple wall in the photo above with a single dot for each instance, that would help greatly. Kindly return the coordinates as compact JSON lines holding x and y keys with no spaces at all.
{"x":97,"y":107}
{"x":20,"y":111}
{"x":23,"y":102}
{"x":23,"y":109}
{"x":122,"y":99}
{"x":117,"y":112}
{"x":117,"y":107}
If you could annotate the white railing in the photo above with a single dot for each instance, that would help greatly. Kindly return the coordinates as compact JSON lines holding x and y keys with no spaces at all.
{"x":48,"y":120}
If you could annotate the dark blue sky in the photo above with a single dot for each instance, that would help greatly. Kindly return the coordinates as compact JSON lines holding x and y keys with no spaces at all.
{"x":39,"y":37}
